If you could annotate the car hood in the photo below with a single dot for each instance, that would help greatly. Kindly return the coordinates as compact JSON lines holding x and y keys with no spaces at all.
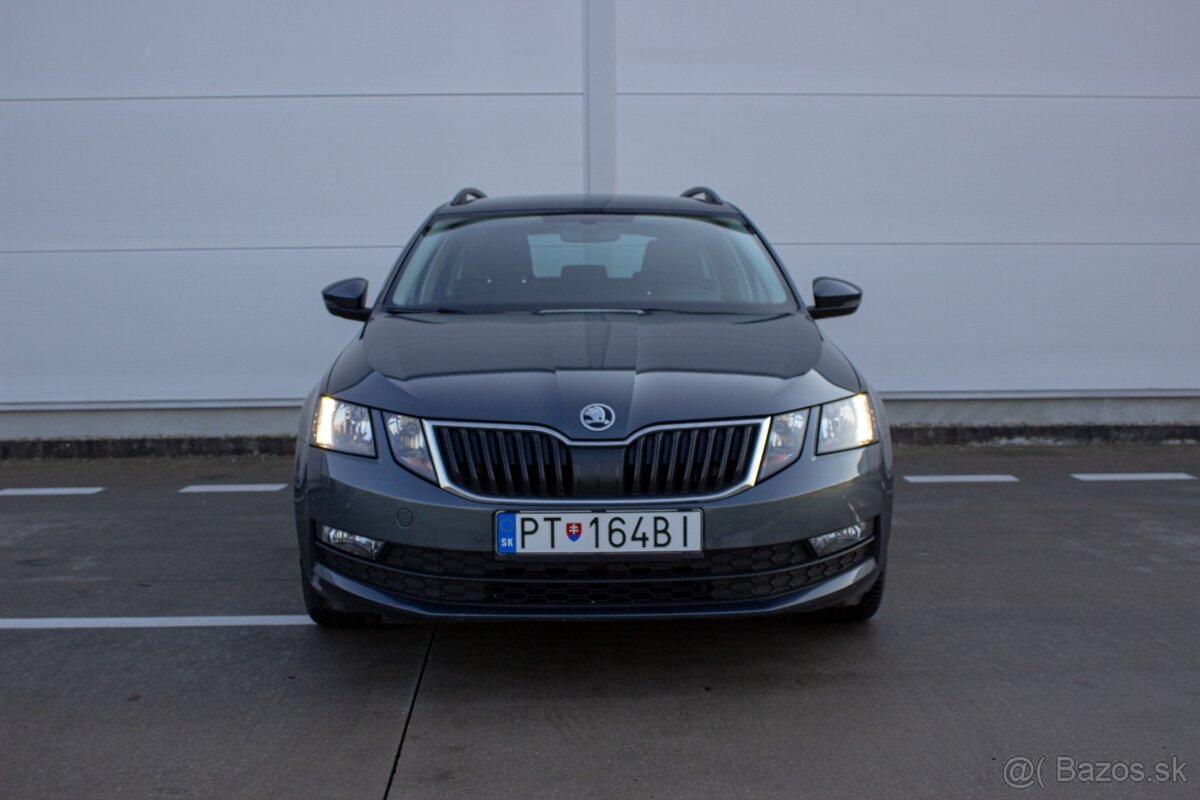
{"x":544,"y":368}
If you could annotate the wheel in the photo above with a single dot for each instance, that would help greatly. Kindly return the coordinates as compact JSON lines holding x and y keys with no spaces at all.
{"x":867,"y":605}
{"x":328,"y":617}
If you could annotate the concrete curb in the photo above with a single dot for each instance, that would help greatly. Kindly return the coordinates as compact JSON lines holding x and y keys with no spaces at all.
{"x":282,"y":445}
{"x":1017,"y":435}
{"x":133,"y":447}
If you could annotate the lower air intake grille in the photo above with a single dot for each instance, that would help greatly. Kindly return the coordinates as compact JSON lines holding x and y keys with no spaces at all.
{"x":458,"y":578}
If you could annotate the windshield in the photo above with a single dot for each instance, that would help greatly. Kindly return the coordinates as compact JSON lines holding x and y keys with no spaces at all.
{"x":591,"y":261}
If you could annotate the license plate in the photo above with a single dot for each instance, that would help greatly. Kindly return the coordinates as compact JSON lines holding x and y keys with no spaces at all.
{"x":583,"y":532}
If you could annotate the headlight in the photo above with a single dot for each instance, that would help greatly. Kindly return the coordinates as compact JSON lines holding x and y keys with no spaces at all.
{"x":407,"y":438}
{"x":344,"y":427}
{"x":846,"y":424}
{"x":784,"y":442}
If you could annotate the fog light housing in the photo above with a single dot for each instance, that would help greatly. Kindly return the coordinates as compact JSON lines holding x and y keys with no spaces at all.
{"x":351,"y":543}
{"x":831,"y":542}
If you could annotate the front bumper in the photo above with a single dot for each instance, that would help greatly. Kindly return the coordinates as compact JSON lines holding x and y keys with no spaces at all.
{"x":441,"y":561}
{"x":346,"y":593}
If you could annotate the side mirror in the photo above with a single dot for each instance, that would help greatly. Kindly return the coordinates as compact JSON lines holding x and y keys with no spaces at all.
{"x":834,"y":298}
{"x":347,"y":299}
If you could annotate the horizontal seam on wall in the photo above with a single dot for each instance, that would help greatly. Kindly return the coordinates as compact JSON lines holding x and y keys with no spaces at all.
{"x":920,"y":95}
{"x":398,"y":245}
{"x":220,"y":404}
{"x":986,"y":244}
{"x":1044,"y":394}
{"x":330,"y":96}
{"x":203,"y":249}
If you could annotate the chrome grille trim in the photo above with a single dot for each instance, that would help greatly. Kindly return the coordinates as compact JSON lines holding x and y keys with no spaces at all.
{"x":759,"y":427}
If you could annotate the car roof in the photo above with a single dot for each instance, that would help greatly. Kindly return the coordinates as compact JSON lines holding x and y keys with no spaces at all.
{"x":588,"y":203}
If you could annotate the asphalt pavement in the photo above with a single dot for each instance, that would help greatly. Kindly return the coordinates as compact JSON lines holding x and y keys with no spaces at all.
{"x":1042,"y":604}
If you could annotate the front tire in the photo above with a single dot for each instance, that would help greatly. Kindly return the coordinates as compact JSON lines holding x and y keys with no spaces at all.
{"x":328,"y":617}
{"x":867,"y":605}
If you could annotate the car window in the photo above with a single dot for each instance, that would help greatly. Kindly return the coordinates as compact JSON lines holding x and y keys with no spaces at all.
{"x":591,"y":261}
{"x":621,"y":258}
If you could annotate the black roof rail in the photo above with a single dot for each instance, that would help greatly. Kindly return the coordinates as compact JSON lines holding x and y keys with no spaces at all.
{"x":466,"y":195}
{"x":709,"y":196}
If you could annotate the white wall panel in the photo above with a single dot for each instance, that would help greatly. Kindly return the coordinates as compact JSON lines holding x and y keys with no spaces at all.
{"x":1015,"y":318}
{"x":1004,"y":179}
{"x":178,"y":180}
{"x":158,"y":326}
{"x":169,"y":48}
{"x":1106,"y":47}
{"x":927,"y":169}
{"x":279,"y":172}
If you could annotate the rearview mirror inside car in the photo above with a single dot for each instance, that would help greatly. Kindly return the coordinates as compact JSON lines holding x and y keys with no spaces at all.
{"x":347,"y":298}
{"x":833,"y":297}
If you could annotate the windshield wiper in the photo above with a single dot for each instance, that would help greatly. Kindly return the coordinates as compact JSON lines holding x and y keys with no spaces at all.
{"x":407,"y":310}
{"x":683,"y":311}
{"x":639,"y":311}
{"x":589,"y":311}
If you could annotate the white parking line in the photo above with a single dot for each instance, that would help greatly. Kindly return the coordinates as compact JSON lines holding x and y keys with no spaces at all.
{"x":202,"y":488}
{"x":960,"y":478}
{"x":51,"y":491}
{"x":77,"y":623}
{"x":1132,"y":476}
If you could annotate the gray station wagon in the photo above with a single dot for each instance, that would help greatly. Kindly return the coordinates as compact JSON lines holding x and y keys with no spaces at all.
{"x":591,"y":407}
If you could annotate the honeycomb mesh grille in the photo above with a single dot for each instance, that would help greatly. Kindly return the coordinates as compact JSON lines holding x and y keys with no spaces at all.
{"x":481,"y":579}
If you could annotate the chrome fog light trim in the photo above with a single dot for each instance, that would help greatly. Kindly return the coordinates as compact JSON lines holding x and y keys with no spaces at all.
{"x":352,"y":543}
{"x":832,"y":542}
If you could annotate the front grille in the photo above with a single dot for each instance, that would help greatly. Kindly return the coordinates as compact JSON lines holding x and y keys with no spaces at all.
{"x":506,"y":462}
{"x":688,"y":460}
{"x":675,"y":462}
{"x":455,"y":577}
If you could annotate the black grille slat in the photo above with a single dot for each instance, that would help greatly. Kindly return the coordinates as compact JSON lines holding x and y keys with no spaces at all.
{"x":559,"y":472}
{"x":636,"y":486}
{"x":702,"y":472}
{"x":464,"y":438}
{"x":502,"y":456}
{"x":491,"y":469}
{"x":686,"y":484}
{"x":672,"y":458}
{"x":522,"y":462}
{"x":540,"y":459}
{"x":723,"y":463}
{"x":744,"y":454}
{"x":486,"y":457}
{"x":672,"y":462}
{"x":655,"y":457}
{"x":449,"y":457}
{"x":440,"y":438}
